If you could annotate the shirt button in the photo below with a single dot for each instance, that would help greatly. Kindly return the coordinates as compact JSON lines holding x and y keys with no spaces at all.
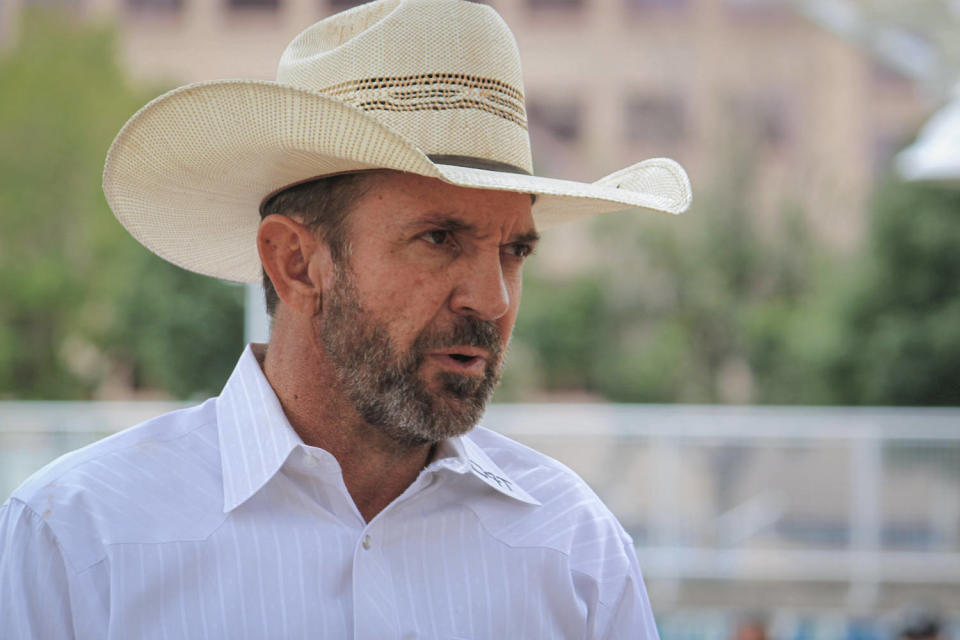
{"x":366,"y":541}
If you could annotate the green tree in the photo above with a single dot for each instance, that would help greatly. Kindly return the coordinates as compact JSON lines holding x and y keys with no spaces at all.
{"x":79,"y":298}
{"x":680,"y":309}
{"x":901,"y":319}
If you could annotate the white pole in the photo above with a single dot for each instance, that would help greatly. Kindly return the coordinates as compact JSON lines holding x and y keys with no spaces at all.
{"x":256,"y":322}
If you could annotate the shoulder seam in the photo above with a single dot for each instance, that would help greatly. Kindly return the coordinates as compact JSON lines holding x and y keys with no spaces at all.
{"x":113,"y":451}
{"x":565,"y":555}
{"x":507,"y":544}
{"x":38,"y":520}
{"x":594,"y":579}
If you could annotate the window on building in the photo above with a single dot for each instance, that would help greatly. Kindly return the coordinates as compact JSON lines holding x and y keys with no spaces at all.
{"x":883,"y":148}
{"x":764,"y":117}
{"x":555,"y":4}
{"x":656,"y":4}
{"x":762,"y":10}
{"x":560,"y":117}
{"x":336,"y":6}
{"x":655,"y":119}
{"x":166,"y":6}
{"x":885,"y":77}
{"x":342,"y":5}
{"x":269,"y":5}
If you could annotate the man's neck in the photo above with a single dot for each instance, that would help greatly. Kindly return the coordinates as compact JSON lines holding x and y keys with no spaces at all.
{"x":376,"y":469}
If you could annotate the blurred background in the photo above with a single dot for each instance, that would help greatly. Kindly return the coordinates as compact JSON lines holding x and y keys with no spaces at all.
{"x":764,"y":389}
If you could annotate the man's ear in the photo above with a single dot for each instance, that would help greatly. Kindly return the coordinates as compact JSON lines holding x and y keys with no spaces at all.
{"x":287,"y":249}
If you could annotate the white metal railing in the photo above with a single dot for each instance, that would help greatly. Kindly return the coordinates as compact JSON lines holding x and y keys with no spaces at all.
{"x":860,"y":499}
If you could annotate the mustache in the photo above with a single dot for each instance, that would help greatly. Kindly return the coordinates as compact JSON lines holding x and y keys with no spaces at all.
{"x":466,"y":330}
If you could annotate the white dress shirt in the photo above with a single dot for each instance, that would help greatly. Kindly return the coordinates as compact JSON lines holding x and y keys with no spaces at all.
{"x":219,"y":522}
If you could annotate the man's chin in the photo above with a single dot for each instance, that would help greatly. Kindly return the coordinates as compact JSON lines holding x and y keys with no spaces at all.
{"x":461,"y":389}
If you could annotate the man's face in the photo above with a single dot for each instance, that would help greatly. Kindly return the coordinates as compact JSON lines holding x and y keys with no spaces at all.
{"x":417,"y":322}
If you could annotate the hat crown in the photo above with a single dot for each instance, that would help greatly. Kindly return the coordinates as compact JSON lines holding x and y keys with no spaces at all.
{"x":445,"y":74}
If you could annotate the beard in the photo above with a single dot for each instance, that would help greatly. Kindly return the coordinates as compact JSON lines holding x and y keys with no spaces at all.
{"x":384,"y":385}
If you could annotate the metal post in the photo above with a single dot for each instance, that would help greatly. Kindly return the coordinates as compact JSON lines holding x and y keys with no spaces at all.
{"x":865,"y":521}
{"x":665,"y":527}
{"x":256,"y":322}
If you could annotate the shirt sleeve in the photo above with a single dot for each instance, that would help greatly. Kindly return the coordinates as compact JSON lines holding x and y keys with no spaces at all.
{"x":628,"y":615}
{"x":34,"y":591}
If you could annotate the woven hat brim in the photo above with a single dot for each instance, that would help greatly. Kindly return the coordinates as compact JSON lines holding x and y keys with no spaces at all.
{"x":187,"y":173}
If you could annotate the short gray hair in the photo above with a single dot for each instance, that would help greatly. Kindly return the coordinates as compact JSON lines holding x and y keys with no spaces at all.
{"x":322,"y":205}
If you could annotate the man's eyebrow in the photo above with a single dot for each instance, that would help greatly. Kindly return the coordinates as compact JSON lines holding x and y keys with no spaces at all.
{"x":445,"y":221}
{"x":530,"y":237}
{"x":451,"y":222}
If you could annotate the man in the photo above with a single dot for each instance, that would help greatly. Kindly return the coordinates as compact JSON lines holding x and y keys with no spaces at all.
{"x":337,"y":487}
{"x":921,"y":623}
{"x":752,"y":626}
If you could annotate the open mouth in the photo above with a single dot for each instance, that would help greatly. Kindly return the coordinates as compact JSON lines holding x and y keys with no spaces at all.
{"x":459,"y":362}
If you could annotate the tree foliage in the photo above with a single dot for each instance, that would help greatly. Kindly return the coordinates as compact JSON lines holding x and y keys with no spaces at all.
{"x":80,"y":301}
{"x":901,"y":317}
{"x":717,"y":306}
{"x":681,"y":309}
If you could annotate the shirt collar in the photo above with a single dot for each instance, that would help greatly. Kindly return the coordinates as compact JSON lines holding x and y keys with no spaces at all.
{"x":255,"y":436}
{"x":462,"y":455}
{"x":256,"y":439}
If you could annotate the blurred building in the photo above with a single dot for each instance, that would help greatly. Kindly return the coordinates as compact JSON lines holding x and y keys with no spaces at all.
{"x":724,"y":86}
{"x":6,"y":23}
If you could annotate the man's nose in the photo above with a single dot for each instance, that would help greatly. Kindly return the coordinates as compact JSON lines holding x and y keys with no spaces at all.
{"x":481,"y":290}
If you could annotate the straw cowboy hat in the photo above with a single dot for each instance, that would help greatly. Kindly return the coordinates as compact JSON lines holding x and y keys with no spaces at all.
{"x":431,"y":87}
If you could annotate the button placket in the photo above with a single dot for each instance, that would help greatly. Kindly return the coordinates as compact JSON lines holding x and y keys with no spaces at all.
{"x":375,"y":606}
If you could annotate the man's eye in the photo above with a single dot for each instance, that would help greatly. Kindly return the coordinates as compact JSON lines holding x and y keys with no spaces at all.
{"x":437,"y":236}
{"x":520,"y":250}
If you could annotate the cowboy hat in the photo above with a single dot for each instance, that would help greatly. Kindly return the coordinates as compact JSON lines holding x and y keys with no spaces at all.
{"x":431,"y":87}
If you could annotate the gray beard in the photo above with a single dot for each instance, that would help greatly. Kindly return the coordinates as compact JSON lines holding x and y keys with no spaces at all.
{"x":385,"y":387}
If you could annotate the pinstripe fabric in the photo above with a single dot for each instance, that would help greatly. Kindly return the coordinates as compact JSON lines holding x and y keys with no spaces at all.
{"x":219,"y":522}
